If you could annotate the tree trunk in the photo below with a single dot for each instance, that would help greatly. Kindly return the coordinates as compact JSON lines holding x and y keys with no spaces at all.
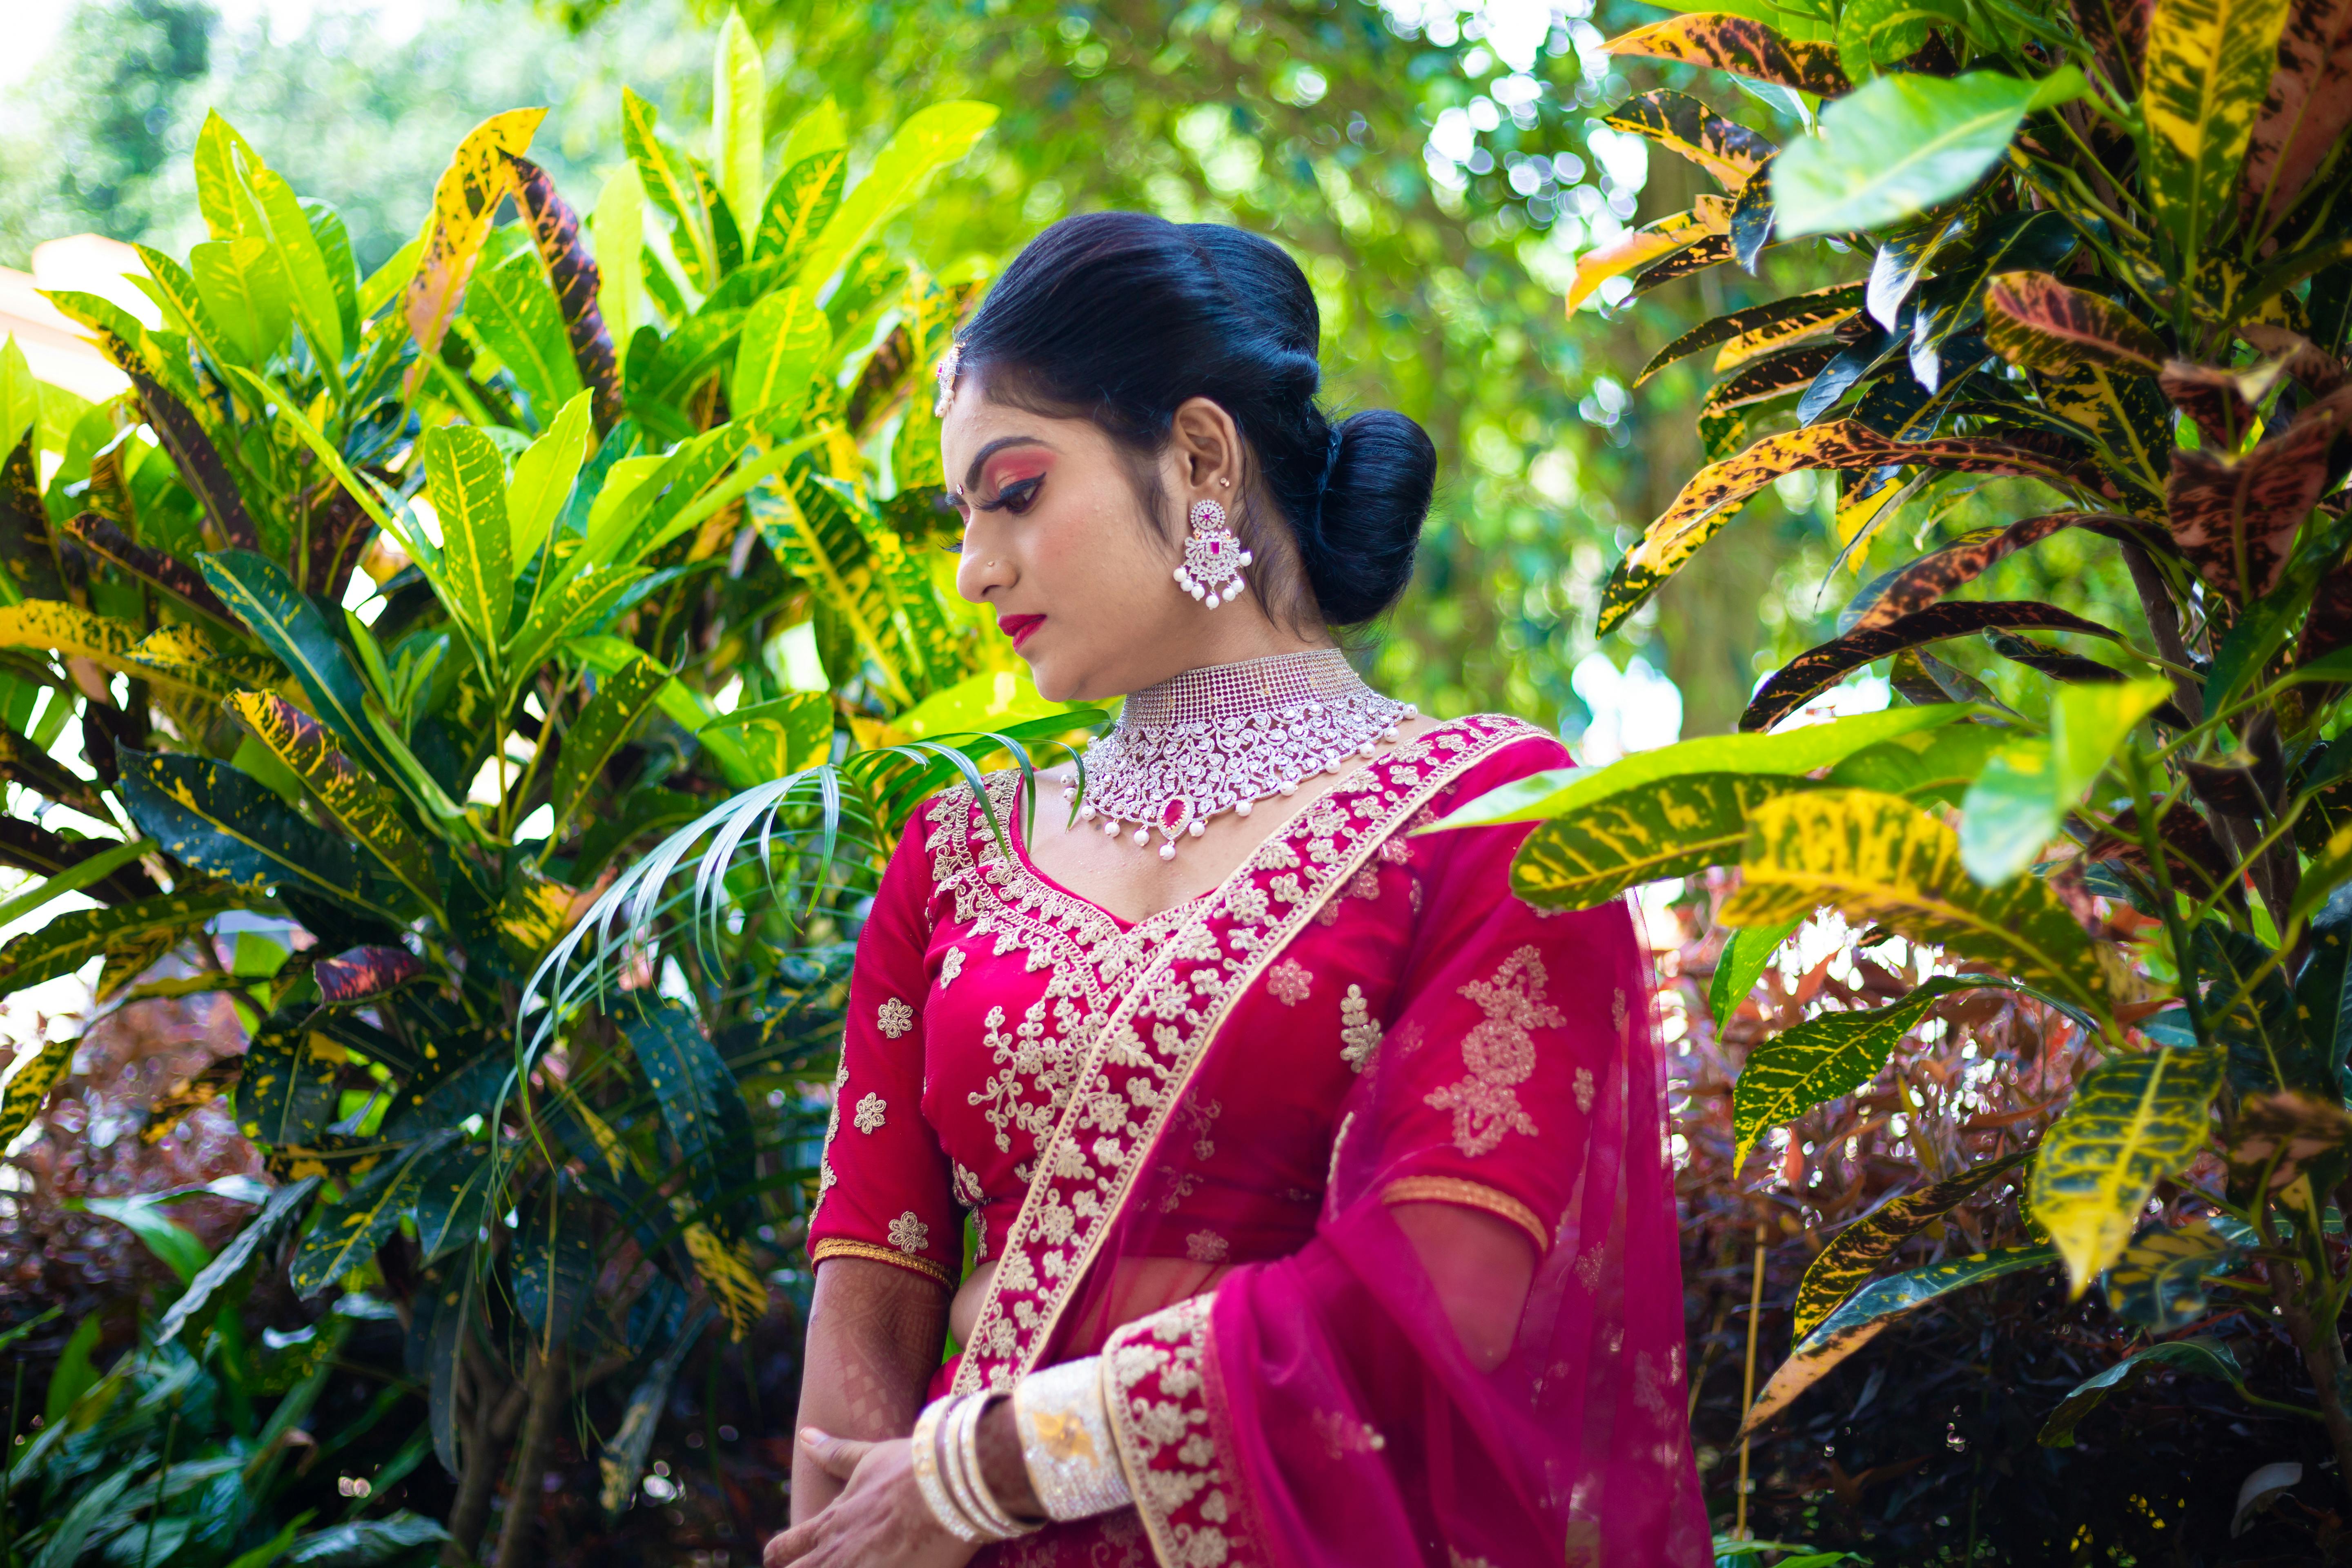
{"x":547,"y":1392}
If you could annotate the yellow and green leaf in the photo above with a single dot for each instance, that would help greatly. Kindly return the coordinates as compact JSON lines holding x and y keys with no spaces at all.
{"x":2208,"y":66}
{"x":345,"y":1235}
{"x":1651,"y":243}
{"x":1862,"y":1249}
{"x":1728,"y":152}
{"x":1882,"y":860}
{"x":2132,"y":1121}
{"x":589,"y":743}
{"x":2036,"y":323}
{"x":28,"y":1085}
{"x":1739,"y":45}
{"x":467,"y":481}
{"x":1680,"y":826}
{"x":465,"y":201}
{"x":357,"y":805}
{"x":784,"y":338}
{"x":1822,"y":1058}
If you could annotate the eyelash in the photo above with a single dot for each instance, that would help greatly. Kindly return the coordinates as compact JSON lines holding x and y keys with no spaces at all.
{"x":1016,"y":498}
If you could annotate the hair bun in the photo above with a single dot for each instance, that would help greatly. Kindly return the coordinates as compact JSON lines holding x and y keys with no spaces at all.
{"x":1358,"y":559}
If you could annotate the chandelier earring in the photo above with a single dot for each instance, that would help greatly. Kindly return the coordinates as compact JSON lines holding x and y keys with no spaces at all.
{"x":1213,"y":557}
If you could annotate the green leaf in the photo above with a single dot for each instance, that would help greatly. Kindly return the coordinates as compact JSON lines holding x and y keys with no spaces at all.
{"x":1745,"y":956}
{"x":344,"y":1236}
{"x":620,"y":701}
{"x":543,"y":476}
{"x":2208,"y":64}
{"x":519,"y":319}
{"x":1929,"y":767}
{"x":701,"y":1103}
{"x":738,"y":109}
{"x":453,"y":1190}
{"x":554,"y":1266}
{"x":282,"y":1207}
{"x":576,"y":609}
{"x":222,"y":156}
{"x":2019,"y":801}
{"x":20,"y":396}
{"x":784,"y":338}
{"x":1902,"y":143}
{"x":243,"y":283}
{"x":2132,"y":1121}
{"x":217,"y":820}
{"x":357,"y":803}
{"x":666,"y":497}
{"x":1676,"y":826}
{"x":1870,"y":1312}
{"x":1881,"y":860}
{"x":2158,"y":1283}
{"x":1875,"y":33}
{"x":467,"y":481}
{"x":27,"y":1085}
{"x":617,"y":227}
{"x":285,"y":1092}
{"x":674,"y":185}
{"x":1856,"y":1253}
{"x":927,"y":141}
{"x":2199,"y":1357}
{"x":71,"y":940}
{"x":390,"y":281}
{"x":311,"y":291}
{"x":174,"y":1243}
{"x":1540,"y":797}
{"x":290,"y":627}
{"x":364,"y":1544}
{"x":1823,"y":1058}
{"x":799,"y":206}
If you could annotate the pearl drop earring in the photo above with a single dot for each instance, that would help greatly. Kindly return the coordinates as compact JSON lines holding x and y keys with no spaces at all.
{"x":1213,"y":557}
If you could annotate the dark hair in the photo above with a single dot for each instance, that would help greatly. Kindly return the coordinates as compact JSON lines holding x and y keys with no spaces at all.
{"x":1120,"y":317}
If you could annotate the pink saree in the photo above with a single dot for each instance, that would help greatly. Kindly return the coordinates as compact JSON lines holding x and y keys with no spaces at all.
{"x":1181,"y":1141}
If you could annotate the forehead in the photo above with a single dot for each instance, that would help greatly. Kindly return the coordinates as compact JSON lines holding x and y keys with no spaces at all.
{"x":973,"y":422}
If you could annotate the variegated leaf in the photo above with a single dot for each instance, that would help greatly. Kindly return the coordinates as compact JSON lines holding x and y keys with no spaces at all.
{"x":1883,"y":860}
{"x":356,"y":801}
{"x":2125,"y":412}
{"x":467,"y":481}
{"x":1729,"y":152}
{"x":71,"y":940}
{"x":1872,"y":1311}
{"x":589,"y":743}
{"x":28,"y":1086}
{"x":1932,"y":576}
{"x":1676,"y":828}
{"x":344,"y":1236}
{"x":677,"y":186}
{"x":1641,"y":247}
{"x":1740,"y":46}
{"x":1862,"y":1249}
{"x":362,"y":973}
{"x":729,"y":1272}
{"x":2158,"y":1283}
{"x":2236,"y":518}
{"x":1819,"y":1060}
{"x":1711,"y":497}
{"x":2033,"y":320}
{"x":2209,"y":63}
{"x":1782,"y":375}
{"x":286,"y":1094}
{"x":465,"y":201}
{"x":799,"y":206}
{"x":1817,"y":667}
{"x":2305,"y":110}
{"x":2132,"y":1121}
{"x":2199,"y":1357}
{"x":572,"y":273}
{"x":216,"y":819}
{"x":1749,"y":333}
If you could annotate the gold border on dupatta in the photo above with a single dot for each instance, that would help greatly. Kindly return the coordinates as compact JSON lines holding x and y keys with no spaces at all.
{"x":1059,"y":1291}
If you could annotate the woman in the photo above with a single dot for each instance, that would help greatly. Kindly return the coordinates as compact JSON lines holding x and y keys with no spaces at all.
{"x":1316,"y":1184}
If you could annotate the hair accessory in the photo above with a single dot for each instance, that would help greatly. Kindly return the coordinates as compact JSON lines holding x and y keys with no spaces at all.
{"x":1213,"y":557}
{"x":1224,"y":738}
{"x":949,"y":365}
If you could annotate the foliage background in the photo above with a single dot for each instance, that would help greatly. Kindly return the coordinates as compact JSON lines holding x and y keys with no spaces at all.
{"x":1327,"y":125}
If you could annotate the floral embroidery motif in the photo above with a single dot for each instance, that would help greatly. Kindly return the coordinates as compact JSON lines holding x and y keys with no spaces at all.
{"x":1499,"y":1053}
{"x":951,"y":966}
{"x":1206,"y":1246}
{"x":1343,"y":1435}
{"x":893,"y":1018}
{"x":1288,"y":981}
{"x":1158,"y":993}
{"x":910,"y":1235}
{"x":1617,"y":1012}
{"x":1359,"y":1031}
{"x":1584,"y":1090}
{"x":870,"y":1112}
{"x":1159,"y":1412}
{"x":825,"y":1176}
{"x":1045,"y":1060}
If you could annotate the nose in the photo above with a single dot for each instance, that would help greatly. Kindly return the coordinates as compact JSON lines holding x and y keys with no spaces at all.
{"x":981,"y":568}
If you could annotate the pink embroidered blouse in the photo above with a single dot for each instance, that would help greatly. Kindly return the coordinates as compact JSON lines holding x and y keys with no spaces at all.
{"x":1180,"y":1139}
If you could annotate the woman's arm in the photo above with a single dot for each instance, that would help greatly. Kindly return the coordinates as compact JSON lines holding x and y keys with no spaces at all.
{"x":874,"y":1339}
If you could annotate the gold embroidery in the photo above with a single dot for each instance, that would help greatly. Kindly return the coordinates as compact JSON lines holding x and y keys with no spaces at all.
{"x":841,"y":1246}
{"x":1344,"y":1434}
{"x":951,"y":966}
{"x":1499,"y":1053}
{"x":908,"y":1234}
{"x":825,"y":1176}
{"x":1359,"y":1031}
{"x":1206,"y":1246}
{"x":1166,"y":1350}
{"x":1288,"y":981}
{"x":1584,"y":1090}
{"x":893,"y":1018}
{"x":870,"y":1112}
{"x":1468,"y":1194}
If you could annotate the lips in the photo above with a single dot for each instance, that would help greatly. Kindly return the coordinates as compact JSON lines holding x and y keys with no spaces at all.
{"x":1019,"y":627}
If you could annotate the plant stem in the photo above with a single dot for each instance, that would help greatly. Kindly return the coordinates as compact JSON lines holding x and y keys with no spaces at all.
{"x":2323,"y":1357}
{"x":2183,"y":957}
{"x":1747,"y":1381}
{"x":538,"y":1431}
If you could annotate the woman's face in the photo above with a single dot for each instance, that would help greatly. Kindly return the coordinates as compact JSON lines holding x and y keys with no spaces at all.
{"x":1055,"y":542}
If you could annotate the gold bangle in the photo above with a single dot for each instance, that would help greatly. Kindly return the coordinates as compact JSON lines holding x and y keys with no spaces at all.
{"x":925,"y":1453}
{"x":1066,"y":1443}
{"x":992,"y":1515}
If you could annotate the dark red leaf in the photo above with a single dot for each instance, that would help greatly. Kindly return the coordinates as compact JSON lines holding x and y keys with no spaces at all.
{"x":45,"y":854}
{"x":1816,"y":667}
{"x":168,"y":572}
{"x":364,"y":972}
{"x":1931,"y":577}
{"x":555,"y":230}
{"x":192,"y":453}
{"x":2236,"y":518}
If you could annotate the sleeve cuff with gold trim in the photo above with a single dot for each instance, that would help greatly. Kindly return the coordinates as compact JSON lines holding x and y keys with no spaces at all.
{"x":842,"y":1247}
{"x":1471,"y":1195}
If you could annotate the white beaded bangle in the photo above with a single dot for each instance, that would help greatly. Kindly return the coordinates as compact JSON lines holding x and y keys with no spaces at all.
{"x":1067,"y":1442}
{"x":924,"y":1447}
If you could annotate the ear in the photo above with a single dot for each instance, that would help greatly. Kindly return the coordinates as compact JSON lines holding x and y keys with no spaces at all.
{"x":1207,"y":447}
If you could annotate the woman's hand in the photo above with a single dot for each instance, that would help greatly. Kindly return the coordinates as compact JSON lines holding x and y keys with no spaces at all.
{"x":880,"y":1519}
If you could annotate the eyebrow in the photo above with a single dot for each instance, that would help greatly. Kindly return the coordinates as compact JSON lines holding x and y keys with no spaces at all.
{"x":971,"y":475}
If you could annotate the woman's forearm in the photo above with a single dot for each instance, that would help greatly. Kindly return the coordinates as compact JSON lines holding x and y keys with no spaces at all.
{"x":874,"y":1339}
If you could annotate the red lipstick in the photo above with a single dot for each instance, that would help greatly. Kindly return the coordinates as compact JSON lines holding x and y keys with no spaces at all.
{"x":1019,"y":627}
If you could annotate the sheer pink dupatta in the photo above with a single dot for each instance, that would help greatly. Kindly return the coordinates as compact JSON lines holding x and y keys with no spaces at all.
{"x":1362,"y":1432}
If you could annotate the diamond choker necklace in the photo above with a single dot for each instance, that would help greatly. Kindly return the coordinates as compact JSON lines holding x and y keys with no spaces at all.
{"x":1226,"y":737}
